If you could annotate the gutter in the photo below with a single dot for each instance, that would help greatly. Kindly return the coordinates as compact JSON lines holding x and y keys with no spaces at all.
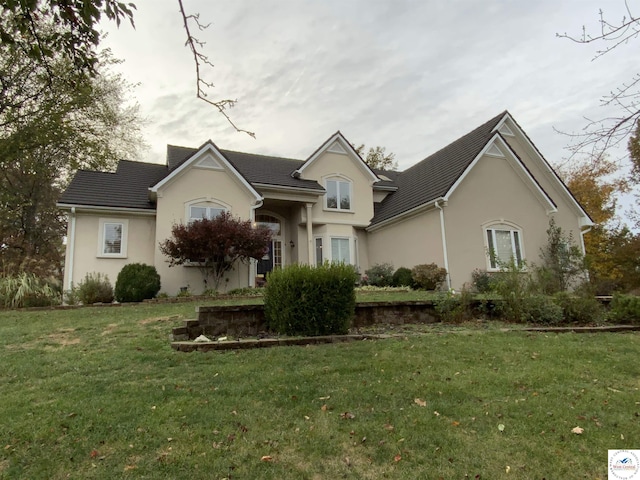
{"x":436,"y":204}
{"x":72,"y":245}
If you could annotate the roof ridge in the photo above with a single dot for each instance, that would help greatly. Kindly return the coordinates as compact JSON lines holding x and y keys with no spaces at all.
{"x":261,"y":155}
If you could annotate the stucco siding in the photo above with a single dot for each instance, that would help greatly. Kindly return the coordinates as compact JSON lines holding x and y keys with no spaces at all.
{"x":214,"y":187}
{"x":140,"y":239}
{"x":408,"y":243}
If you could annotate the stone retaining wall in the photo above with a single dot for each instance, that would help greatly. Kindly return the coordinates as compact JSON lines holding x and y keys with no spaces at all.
{"x":249,"y":320}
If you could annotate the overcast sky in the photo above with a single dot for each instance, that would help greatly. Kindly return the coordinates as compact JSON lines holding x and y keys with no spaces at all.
{"x":408,"y":75}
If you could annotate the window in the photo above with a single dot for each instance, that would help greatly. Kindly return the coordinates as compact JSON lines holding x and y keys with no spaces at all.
{"x":338,"y":195}
{"x":504,"y":245}
{"x":340,"y":250}
{"x":112,"y":238}
{"x":319,"y":257}
{"x":198,"y":212}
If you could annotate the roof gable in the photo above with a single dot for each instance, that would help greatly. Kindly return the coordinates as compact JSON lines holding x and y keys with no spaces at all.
{"x":207,"y":156}
{"x":338,"y":144}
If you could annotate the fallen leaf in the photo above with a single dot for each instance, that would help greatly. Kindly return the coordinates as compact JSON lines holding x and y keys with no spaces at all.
{"x":621,"y":437}
{"x":388,"y":426}
{"x":577,"y":430}
{"x":455,"y":424}
{"x":397,"y":458}
{"x":347,"y":415}
{"x":347,"y":461}
{"x":324,"y":407}
{"x":507,"y":469}
{"x":325,"y":398}
{"x":420,"y":402}
{"x":266,"y":458}
{"x":93,"y":454}
{"x":436,"y":413}
{"x":501,"y":427}
{"x":129,"y":467}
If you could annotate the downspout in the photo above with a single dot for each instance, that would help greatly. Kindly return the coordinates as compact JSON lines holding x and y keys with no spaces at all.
{"x":584,"y":250}
{"x":72,"y":245}
{"x":444,"y":242}
{"x":252,"y":262}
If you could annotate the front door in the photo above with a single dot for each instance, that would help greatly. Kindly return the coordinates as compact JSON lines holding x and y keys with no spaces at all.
{"x":265,"y":264}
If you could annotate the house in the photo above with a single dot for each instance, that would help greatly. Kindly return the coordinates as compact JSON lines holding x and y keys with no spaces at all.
{"x":490,"y":190}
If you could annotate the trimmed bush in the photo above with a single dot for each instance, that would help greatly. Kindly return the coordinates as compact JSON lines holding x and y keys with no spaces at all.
{"x":95,"y":288}
{"x":428,"y":276}
{"x":137,"y":282}
{"x":455,"y":307}
{"x":306,"y":300}
{"x":380,"y":275}
{"x":625,"y":309}
{"x":402,"y":278}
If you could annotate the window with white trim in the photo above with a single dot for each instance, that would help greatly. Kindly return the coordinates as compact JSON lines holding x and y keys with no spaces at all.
{"x":504,"y":244}
{"x":112,"y":238}
{"x":338,"y":195}
{"x":200,"y":211}
{"x":340,"y":250}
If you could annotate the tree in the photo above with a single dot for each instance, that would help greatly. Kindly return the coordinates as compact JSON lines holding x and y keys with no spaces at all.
{"x":49,"y":128}
{"x":45,"y":29}
{"x":377,"y":157}
{"x":600,"y":135}
{"x":215,"y":245}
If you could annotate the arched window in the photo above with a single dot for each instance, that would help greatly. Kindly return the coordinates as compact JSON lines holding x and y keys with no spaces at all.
{"x":339,"y":193}
{"x":504,"y":244}
{"x":200,"y":210}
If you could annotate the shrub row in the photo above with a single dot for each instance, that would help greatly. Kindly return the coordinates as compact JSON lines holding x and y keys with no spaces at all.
{"x":423,"y":277}
{"x":306,"y":300}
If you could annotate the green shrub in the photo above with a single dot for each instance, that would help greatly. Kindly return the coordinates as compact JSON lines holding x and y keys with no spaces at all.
{"x":428,"y":276}
{"x":513,"y":284}
{"x":379,"y":275}
{"x":402,"y":278}
{"x":454,"y":307}
{"x":26,"y":290}
{"x":625,"y":309}
{"x":483,"y":281}
{"x":137,"y":282}
{"x":581,"y":310}
{"x":306,"y":300}
{"x":95,"y":288}
{"x":246,"y":292}
{"x":541,"y":309}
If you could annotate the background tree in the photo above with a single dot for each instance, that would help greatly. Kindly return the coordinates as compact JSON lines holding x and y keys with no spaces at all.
{"x":377,"y":157}
{"x":600,"y":135}
{"x":53,"y":121}
{"x":46,"y":29}
{"x":215,"y":245}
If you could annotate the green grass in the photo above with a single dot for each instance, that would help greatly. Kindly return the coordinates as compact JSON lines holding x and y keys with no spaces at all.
{"x":98,"y":393}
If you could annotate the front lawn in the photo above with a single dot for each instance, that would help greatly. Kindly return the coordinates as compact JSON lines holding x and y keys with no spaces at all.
{"x":99,"y":393}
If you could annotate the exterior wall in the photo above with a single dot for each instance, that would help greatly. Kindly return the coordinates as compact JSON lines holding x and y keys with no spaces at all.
{"x":492,"y":192}
{"x":345,"y":224}
{"x":140,"y":241}
{"x":408,"y":243}
{"x":567,"y":215}
{"x":198,"y":184}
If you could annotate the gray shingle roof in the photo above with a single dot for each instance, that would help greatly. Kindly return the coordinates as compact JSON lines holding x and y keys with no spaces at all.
{"x":435,"y":175}
{"x":128,"y":187}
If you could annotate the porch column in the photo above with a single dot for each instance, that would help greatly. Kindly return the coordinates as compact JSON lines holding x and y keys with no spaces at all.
{"x":310,"y":233}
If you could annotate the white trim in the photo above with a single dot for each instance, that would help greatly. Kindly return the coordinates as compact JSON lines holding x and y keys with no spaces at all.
{"x":335,"y":147}
{"x":351,"y":153}
{"x":585,"y":221}
{"x":99,"y":209}
{"x":502,"y":225}
{"x":269,"y":186}
{"x":521,"y":170}
{"x":494,"y":151}
{"x":503,"y":128}
{"x":72,"y":247}
{"x":124,"y":222}
{"x":349,"y":246}
{"x":204,"y":200}
{"x":315,"y":250}
{"x":444,"y":243}
{"x":208,"y":162}
{"x":338,"y":178}
{"x":208,"y":147}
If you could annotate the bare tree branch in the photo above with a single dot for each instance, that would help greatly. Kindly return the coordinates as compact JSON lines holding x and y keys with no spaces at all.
{"x":201,"y":60}
{"x":598,"y":136}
